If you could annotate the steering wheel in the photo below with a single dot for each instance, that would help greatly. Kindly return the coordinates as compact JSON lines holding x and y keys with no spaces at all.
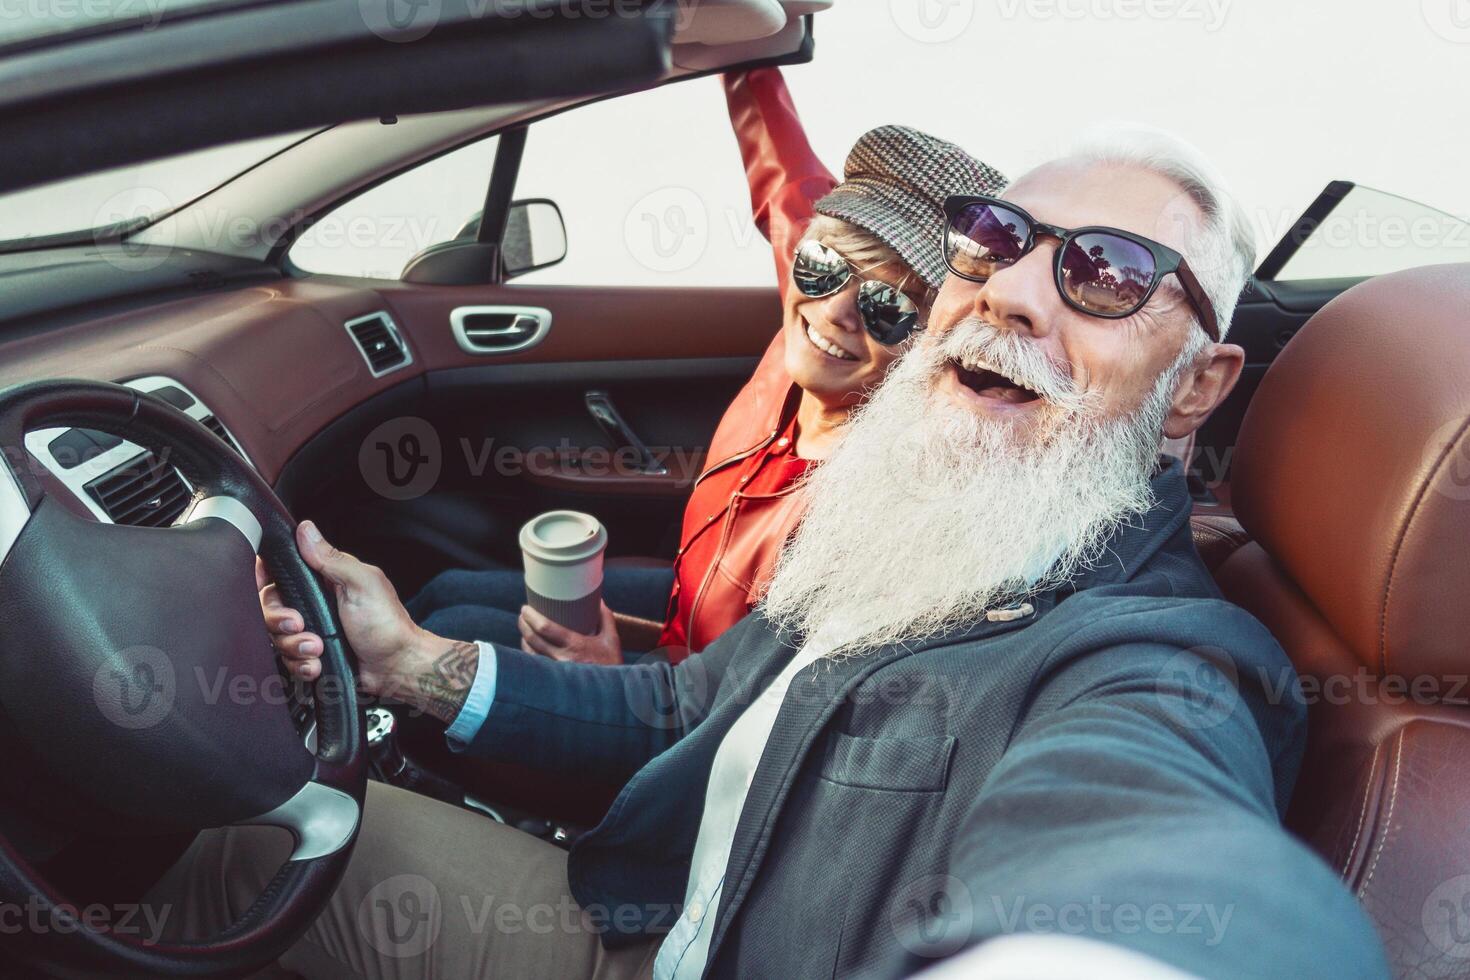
{"x":135,"y":673}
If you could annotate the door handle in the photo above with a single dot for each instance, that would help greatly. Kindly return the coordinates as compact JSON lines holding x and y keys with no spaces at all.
{"x":520,"y":325}
{"x":610,"y":420}
{"x":499,"y":329}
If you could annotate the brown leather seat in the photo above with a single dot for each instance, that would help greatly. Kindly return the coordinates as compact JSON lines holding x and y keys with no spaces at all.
{"x":1352,"y":482}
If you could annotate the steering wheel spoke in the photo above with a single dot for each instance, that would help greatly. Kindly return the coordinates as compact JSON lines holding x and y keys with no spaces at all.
{"x":15,"y":511}
{"x":231,"y":511}
{"x":323,"y":820}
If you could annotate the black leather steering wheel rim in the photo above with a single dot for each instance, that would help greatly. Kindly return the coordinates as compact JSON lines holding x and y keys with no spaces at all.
{"x":39,"y":533}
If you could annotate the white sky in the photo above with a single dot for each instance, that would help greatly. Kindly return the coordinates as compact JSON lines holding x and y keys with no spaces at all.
{"x":1283,"y":94}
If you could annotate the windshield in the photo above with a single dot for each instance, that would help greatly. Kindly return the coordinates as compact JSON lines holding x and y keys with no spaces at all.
{"x":126,"y":197}
{"x":1372,"y":232}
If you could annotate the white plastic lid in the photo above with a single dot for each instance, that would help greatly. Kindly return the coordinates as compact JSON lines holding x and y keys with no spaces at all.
{"x":563,"y":537}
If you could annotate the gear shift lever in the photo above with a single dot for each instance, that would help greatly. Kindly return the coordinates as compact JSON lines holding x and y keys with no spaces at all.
{"x":382,"y":739}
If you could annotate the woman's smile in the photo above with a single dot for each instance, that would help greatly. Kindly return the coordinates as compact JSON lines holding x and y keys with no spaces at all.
{"x":828,"y":347}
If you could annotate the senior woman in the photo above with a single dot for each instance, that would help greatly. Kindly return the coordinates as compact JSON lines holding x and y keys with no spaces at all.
{"x":857,"y":263}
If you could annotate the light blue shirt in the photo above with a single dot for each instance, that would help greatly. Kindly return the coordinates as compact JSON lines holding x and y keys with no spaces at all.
{"x":685,"y":950}
{"x":476,"y":704}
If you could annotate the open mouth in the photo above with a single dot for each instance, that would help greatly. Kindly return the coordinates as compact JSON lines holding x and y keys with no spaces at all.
{"x":986,"y":382}
{"x":824,"y":345}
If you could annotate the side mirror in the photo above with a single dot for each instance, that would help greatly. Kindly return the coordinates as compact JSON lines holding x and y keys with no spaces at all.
{"x":535,"y":237}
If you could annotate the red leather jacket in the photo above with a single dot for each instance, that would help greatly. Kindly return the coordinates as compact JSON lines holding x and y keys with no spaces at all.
{"x":786,"y":179}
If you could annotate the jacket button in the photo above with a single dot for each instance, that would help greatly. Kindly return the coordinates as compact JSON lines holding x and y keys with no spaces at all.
{"x":1010,"y":615}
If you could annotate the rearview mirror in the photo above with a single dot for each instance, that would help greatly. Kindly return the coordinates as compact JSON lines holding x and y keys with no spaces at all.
{"x":535,"y":237}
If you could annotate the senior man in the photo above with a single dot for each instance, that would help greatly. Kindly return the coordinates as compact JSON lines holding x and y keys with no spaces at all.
{"x":992,"y":690}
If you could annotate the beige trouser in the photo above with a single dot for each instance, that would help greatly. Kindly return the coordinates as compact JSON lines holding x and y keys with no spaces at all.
{"x":432,"y":891}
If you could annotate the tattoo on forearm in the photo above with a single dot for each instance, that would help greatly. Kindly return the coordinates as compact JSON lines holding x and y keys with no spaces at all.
{"x":442,"y":688}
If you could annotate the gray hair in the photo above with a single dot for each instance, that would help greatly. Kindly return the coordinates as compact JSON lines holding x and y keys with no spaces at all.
{"x":1221,"y":249}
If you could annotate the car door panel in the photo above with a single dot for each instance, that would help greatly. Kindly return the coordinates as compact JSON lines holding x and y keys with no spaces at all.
{"x":595,"y":323}
{"x":512,"y":435}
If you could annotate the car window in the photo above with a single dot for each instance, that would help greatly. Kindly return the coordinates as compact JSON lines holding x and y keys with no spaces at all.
{"x":1371,"y":232}
{"x":374,"y":234}
{"x":650,"y":185}
{"x":652,"y":190}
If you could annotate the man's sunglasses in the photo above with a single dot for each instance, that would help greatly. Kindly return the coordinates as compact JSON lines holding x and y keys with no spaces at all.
{"x":1101,"y":271}
{"x":887,"y":313}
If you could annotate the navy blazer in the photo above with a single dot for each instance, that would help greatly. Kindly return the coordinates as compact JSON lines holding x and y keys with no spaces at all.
{"x":1114,"y":765}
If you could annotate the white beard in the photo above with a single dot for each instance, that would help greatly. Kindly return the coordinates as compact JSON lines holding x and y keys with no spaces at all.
{"x":926,"y":514}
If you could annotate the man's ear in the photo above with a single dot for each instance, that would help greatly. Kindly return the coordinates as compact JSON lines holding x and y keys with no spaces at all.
{"x":1203,"y":388}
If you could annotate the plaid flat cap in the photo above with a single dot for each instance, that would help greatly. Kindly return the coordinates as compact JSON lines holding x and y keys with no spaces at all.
{"x":894,"y":184}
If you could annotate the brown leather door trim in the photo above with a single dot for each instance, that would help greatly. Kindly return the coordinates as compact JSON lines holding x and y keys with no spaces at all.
{"x":596,"y":323}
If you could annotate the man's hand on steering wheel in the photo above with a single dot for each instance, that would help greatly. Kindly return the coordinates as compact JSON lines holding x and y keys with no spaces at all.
{"x":396,"y":658}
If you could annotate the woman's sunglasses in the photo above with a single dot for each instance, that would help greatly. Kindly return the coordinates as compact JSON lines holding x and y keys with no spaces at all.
{"x":1101,"y":271}
{"x":888,"y":315}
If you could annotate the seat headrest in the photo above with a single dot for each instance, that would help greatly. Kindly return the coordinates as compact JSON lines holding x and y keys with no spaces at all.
{"x":1353,"y":468}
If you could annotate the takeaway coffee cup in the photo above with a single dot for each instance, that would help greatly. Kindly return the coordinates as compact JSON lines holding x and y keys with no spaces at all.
{"x":563,"y":555}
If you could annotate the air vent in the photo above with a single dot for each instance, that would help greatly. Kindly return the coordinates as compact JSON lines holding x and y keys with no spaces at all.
{"x":217,"y":427}
{"x":380,"y":342}
{"x":143,"y":492}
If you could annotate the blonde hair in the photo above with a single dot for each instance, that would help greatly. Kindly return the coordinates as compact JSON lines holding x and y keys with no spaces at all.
{"x":863,"y":249}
